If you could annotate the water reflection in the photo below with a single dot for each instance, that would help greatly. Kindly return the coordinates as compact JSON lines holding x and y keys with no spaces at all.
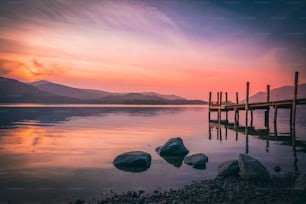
{"x":175,"y":160}
{"x":64,"y":149}
{"x":266,"y":134}
{"x":12,"y":117}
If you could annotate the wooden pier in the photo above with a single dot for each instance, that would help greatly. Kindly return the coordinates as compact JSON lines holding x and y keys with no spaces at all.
{"x":226,"y":106}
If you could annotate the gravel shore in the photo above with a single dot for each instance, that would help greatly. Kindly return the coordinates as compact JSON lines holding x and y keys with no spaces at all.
{"x":279,"y":189}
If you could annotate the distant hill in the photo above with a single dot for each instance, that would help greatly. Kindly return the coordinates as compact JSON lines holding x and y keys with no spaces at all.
{"x":88,"y":94}
{"x":13,"y":91}
{"x":281,"y":93}
{"x":62,"y":90}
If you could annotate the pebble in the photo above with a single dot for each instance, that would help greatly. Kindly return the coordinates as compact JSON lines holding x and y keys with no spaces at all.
{"x":219,"y":190}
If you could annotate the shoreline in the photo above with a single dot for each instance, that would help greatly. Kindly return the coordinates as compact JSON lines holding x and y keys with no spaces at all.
{"x":279,"y":189}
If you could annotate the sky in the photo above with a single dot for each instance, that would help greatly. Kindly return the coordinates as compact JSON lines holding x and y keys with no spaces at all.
{"x":187,"y":48}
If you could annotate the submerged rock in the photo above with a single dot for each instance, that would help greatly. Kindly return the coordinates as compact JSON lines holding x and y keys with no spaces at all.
{"x":252,"y":169}
{"x":197,"y":161}
{"x":136,"y":161}
{"x":172,"y":147}
{"x":229,"y":168}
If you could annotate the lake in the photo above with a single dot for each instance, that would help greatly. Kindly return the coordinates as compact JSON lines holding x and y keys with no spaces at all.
{"x":60,"y":153}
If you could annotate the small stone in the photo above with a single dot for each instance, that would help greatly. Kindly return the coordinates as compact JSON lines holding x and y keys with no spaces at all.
{"x":173,"y":146}
{"x":197,"y":161}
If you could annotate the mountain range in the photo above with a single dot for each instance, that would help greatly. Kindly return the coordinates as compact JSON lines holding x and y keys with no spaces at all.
{"x":14,"y":91}
{"x":277,"y":94}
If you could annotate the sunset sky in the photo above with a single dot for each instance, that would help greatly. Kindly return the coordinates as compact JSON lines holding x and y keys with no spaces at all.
{"x":186,"y":48}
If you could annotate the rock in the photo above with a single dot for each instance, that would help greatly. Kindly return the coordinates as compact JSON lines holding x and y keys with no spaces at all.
{"x":252,"y":169}
{"x":229,"y":168}
{"x":173,"y":146}
{"x":197,"y":161}
{"x":277,"y":168}
{"x":176,"y":160}
{"x":300,"y":182}
{"x":136,"y":161}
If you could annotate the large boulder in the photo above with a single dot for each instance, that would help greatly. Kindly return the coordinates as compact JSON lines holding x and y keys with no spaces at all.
{"x":252,"y":169}
{"x":172,"y":147}
{"x":229,"y":168}
{"x":197,"y":161}
{"x":136,"y":161}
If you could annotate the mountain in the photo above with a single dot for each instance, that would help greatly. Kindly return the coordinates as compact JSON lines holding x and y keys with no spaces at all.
{"x":62,"y":90}
{"x":165,"y":96}
{"x":89,"y":94}
{"x":281,"y":93}
{"x":13,"y":91}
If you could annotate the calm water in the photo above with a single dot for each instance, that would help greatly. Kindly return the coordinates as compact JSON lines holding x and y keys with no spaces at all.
{"x":59,"y":154}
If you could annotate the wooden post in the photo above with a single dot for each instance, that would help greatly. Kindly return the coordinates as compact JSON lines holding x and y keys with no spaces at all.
{"x":267,"y":115}
{"x":209,"y":104}
{"x":237,"y":111}
{"x":218,"y":97}
{"x":293,"y":113}
{"x":247,"y":103}
{"x":268,"y":93}
{"x":226,"y":112}
{"x":219,"y":111}
{"x":246,"y":117}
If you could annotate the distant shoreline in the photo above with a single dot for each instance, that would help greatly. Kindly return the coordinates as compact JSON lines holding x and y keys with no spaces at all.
{"x":97,"y":105}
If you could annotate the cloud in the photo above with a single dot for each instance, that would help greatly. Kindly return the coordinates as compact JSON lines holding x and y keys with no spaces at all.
{"x":35,"y":68}
{"x":7,"y":66}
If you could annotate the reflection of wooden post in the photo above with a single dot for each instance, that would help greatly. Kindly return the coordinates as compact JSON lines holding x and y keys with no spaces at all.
{"x":267,"y":146}
{"x":209,"y":131}
{"x":293,"y":113}
{"x":226,"y":112}
{"x":220,"y":133}
{"x":209,"y":104}
{"x":246,"y":117}
{"x":236,"y":134}
{"x":275,"y":120}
